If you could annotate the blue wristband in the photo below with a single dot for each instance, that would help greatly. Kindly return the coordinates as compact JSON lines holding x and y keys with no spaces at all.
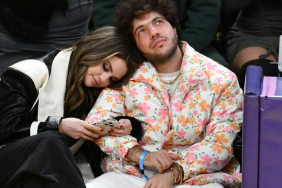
{"x":141,"y":164}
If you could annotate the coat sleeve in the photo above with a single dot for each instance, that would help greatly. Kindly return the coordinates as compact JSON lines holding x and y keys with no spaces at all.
{"x":18,"y":94}
{"x":103,"y":12}
{"x":215,"y":150}
{"x":111,"y":103}
{"x":201,"y":25}
{"x":230,"y":7}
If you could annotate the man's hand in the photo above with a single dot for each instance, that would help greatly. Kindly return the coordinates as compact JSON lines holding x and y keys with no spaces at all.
{"x":161,"y":159}
{"x":77,"y":128}
{"x":125,"y":128}
{"x":164,"y":180}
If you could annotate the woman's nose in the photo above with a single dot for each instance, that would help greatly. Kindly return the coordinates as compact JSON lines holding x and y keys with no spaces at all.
{"x":104,"y":77}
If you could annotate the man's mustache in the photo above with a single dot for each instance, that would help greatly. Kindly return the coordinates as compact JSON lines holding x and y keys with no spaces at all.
{"x":155,"y":38}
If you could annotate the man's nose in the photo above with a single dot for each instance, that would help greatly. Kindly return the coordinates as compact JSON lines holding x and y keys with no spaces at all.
{"x":153,"y":32}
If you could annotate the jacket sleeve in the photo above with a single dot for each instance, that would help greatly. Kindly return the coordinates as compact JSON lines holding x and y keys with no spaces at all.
{"x":18,"y":94}
{"x":111,"y":103}
{"x":201,"y":25}
{"x":230,"y":7}
{"x":215,"y":150}
{"x":103,"y":12}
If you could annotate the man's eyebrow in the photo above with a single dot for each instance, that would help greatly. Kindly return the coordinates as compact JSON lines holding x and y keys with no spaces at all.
{"x":156,"y":18}
{"x":140,"y":26}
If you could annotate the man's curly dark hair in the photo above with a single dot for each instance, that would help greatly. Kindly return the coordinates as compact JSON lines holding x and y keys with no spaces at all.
{"x":128,"y":10}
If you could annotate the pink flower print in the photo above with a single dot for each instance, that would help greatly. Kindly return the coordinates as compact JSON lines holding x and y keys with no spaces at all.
{"x":226,"y":177}
{"x":195,"y":113}
{"x":184,"y":62}
{"x":219,"y":71}
{"x":207,"y":176}
{"x":206,"y":160}
{"x":150,"y":120}
{"x":144,"y":107}
{"x":191,"y":81}
{"x":114,"y":91}
{"x":216,"y":160}
{"x":177,"y":105}
{"x":222,"y":114}
{"x":165,"y":96}
{"x":211,"y":128}
{"x":94,"y":119}
{"x":165,"y":132}
{"x":200,"y":72}
{"x":181,"y":134}
{"x":190,"y":157}
{"x":231,"y":74}
{"x":163,"y":114}
{"x":218,"y":79}
{"x":201,"y":124}
{"x":188,"y":97}
{"x":194,"y":147}
{"x":237,"y":175}
{"x":148,"y":91}
{"x":87,"y":118}
{"x":224,"y":162}
{"x":142,"y":65}
{"x":123,"y":151}
{"x":227,"y":129}
{"x":133,"y":93}
{"x":201,"y":83}
{"x":197,"y":90}
{"x":143,"y":127}
{"x":118,"y":98}
{"x":141,"y":143}
{"x":210,"y":66}
{"x":233,"y":178}
{"x":109,"y":150}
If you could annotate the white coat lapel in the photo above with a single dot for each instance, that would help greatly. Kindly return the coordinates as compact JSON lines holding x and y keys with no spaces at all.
{"x":51,"y":98}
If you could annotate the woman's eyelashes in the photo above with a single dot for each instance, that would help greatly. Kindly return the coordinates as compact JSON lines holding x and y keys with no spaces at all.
{"x":105,"y":67}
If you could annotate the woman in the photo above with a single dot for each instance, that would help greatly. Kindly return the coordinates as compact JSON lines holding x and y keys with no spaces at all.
{"x":34,"y":138}
{"x":254,"y":37}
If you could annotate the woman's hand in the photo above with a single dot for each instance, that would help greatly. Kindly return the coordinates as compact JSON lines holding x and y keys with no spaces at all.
{"x":77,"y":128}
{"x":125,"y":128}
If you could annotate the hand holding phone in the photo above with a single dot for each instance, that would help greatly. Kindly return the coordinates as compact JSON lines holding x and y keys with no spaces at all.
{"x":108,"y":125}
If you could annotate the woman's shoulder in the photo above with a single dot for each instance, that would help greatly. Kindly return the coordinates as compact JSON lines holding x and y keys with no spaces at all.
{"x":36,"y":70}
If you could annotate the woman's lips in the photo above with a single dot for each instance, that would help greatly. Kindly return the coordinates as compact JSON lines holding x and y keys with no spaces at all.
{"x":95,"y":82}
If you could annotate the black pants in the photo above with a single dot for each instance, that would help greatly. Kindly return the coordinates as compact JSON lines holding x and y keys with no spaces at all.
{"x":39,"y":161}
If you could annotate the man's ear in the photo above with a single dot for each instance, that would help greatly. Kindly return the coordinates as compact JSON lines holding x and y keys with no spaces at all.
{"x":175,"y":32}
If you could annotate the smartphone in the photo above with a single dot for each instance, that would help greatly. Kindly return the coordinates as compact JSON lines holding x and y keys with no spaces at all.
{"x":107,"y":125}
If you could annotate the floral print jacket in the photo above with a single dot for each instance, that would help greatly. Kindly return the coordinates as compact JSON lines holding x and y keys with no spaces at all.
{"x":199,"y":123}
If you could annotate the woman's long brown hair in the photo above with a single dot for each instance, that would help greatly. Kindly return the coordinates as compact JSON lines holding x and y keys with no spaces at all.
{"x":93,"y":49}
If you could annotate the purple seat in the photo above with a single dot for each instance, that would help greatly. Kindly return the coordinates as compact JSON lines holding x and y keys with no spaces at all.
{"x":262,"y":130}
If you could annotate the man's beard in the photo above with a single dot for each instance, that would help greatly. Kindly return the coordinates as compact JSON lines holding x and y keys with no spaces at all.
{"x":158,"y":58}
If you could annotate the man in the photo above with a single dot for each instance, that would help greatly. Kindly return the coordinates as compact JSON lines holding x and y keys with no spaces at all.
{"x":190,"y":108}
{"x":199,"y":23}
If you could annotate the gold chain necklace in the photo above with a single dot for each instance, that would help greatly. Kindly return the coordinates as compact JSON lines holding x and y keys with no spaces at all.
{"x":172,"y":82}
